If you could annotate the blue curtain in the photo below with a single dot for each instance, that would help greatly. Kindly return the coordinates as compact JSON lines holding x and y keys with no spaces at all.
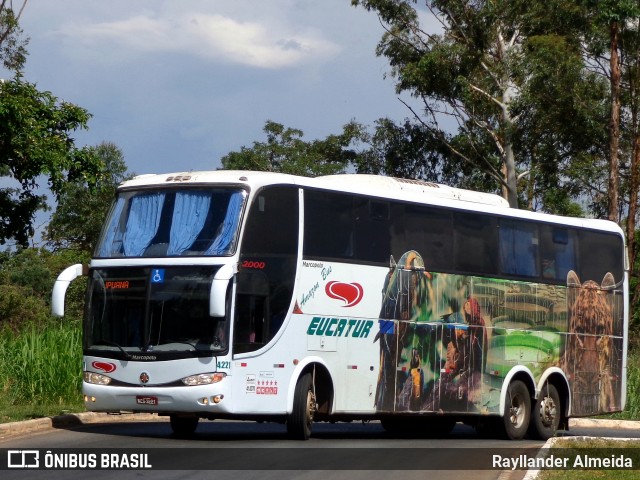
{"x":110,"y":243}
{"x":564,"y":258}
{"x":142,"y":224}
{"x":518,"y":249}
{"x":189,"y":214}
{"x":222,"y":242}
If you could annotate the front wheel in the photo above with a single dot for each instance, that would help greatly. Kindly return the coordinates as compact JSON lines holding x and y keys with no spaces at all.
{"x":545,"y":416}
{"x":300,"y":419}
{"x":517,"y":411}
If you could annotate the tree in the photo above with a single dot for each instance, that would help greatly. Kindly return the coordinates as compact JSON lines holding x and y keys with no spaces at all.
{"x":478,"y":72}
{"x":631,"y":75}
{"x":561,"y":140}
{"x":404,"y":150}
{"x":13,"y":50}
{"x":26,"y":280}
{"x":465,"y":73}
{"x":286,"y":152}
{"x":34,"y":138}
{"x":612,"y":45}
{"x":80,"y":212}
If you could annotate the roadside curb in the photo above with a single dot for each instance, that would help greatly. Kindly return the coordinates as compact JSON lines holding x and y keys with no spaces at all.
{"x":71,"y":420}
{"x":603,"y":422}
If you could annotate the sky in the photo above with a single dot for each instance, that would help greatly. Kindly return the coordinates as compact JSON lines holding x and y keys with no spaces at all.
{"x":178,"y":84}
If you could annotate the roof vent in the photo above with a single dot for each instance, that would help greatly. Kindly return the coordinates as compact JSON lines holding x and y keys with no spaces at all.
{"x":417,"y":182}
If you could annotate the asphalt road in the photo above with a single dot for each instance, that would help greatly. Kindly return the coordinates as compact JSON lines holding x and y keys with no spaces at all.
{"x":248,"y":450}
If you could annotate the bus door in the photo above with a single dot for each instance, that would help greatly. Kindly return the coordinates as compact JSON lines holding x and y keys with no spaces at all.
{"x":263,"y":301}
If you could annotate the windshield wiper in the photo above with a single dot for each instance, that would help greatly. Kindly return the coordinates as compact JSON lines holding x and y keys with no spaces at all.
{"x":102,"y":341}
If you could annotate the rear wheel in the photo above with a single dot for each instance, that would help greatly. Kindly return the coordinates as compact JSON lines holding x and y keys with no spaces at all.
{"x":300,"y":419}
{"x":517,"y":411}
{"x":545,"y":416}
{"x":183,"y":426}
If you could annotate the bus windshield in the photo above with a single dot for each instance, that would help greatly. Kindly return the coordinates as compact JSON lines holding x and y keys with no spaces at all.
{"x":172,"y":222}
{"x":164,"y":312}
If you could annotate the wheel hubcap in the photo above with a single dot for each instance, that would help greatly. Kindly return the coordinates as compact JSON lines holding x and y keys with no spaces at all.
{"x":311,"y":407}
{"x":548,"y":411}
{"x":516,"y":412}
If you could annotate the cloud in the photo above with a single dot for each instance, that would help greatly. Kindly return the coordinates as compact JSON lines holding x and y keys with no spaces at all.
{"x":212,"y":37}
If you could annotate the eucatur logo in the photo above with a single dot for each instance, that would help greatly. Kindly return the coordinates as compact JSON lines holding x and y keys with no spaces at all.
{"x":349,"y":293}
{"x":106,"y":367}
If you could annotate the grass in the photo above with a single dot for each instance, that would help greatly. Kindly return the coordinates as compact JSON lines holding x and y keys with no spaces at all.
{"x":598,"y":448}
{"x":40,"y":371}
{"x":632,"y":408}
{"x":17,"y":413}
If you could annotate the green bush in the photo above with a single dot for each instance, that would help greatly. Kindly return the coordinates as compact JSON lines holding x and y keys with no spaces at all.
{"x":18,"y":308}
{"x":40,"y":356}
{"x":26,"y":283}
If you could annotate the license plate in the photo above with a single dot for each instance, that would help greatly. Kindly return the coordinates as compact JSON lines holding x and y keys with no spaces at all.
{"x":146,"y":400}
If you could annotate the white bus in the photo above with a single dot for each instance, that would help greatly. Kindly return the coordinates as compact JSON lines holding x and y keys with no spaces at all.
{"x":269,"y":297}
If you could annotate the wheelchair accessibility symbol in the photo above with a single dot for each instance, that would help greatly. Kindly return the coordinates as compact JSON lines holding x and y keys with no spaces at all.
{"x":157,"y":275}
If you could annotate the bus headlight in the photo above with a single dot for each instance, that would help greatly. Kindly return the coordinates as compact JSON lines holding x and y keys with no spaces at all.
{"x":96,"y":378}
{"x":204,"y":379}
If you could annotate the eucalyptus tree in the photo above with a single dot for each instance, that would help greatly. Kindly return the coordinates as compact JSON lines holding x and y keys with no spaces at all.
{"x":476,"y":67}
{"x":13,"y":43}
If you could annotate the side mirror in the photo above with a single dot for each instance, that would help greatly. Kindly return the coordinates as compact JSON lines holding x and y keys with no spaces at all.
{"x":67,"y":276}
{"x":217,"y":298}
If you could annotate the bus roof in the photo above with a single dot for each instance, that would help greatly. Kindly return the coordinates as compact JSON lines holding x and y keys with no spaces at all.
{"x":354,"y":183}
{"x":410,"y":190}
{"x":390,"y":186}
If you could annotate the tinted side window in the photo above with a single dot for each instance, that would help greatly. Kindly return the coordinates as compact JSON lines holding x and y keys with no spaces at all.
{"x":600,"y":253}
{"x":329,"y":220}
{"x":558,"y":247}
{"x":429,"y":231}
{"x":519,"y":246}
{"x":475,"y":243}
{"x":341,"y":226}
{"x":372,"y":230}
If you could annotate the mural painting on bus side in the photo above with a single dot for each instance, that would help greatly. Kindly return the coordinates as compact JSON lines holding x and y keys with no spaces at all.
{"x":447,"y":341}
{"x":592,"y":362}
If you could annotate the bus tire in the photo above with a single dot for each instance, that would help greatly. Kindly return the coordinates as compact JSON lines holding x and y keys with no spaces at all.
{"x":517,"y":411}
{"x":546,"y":412}
{"x":183,"y":426}
{"x":300,"y":419}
